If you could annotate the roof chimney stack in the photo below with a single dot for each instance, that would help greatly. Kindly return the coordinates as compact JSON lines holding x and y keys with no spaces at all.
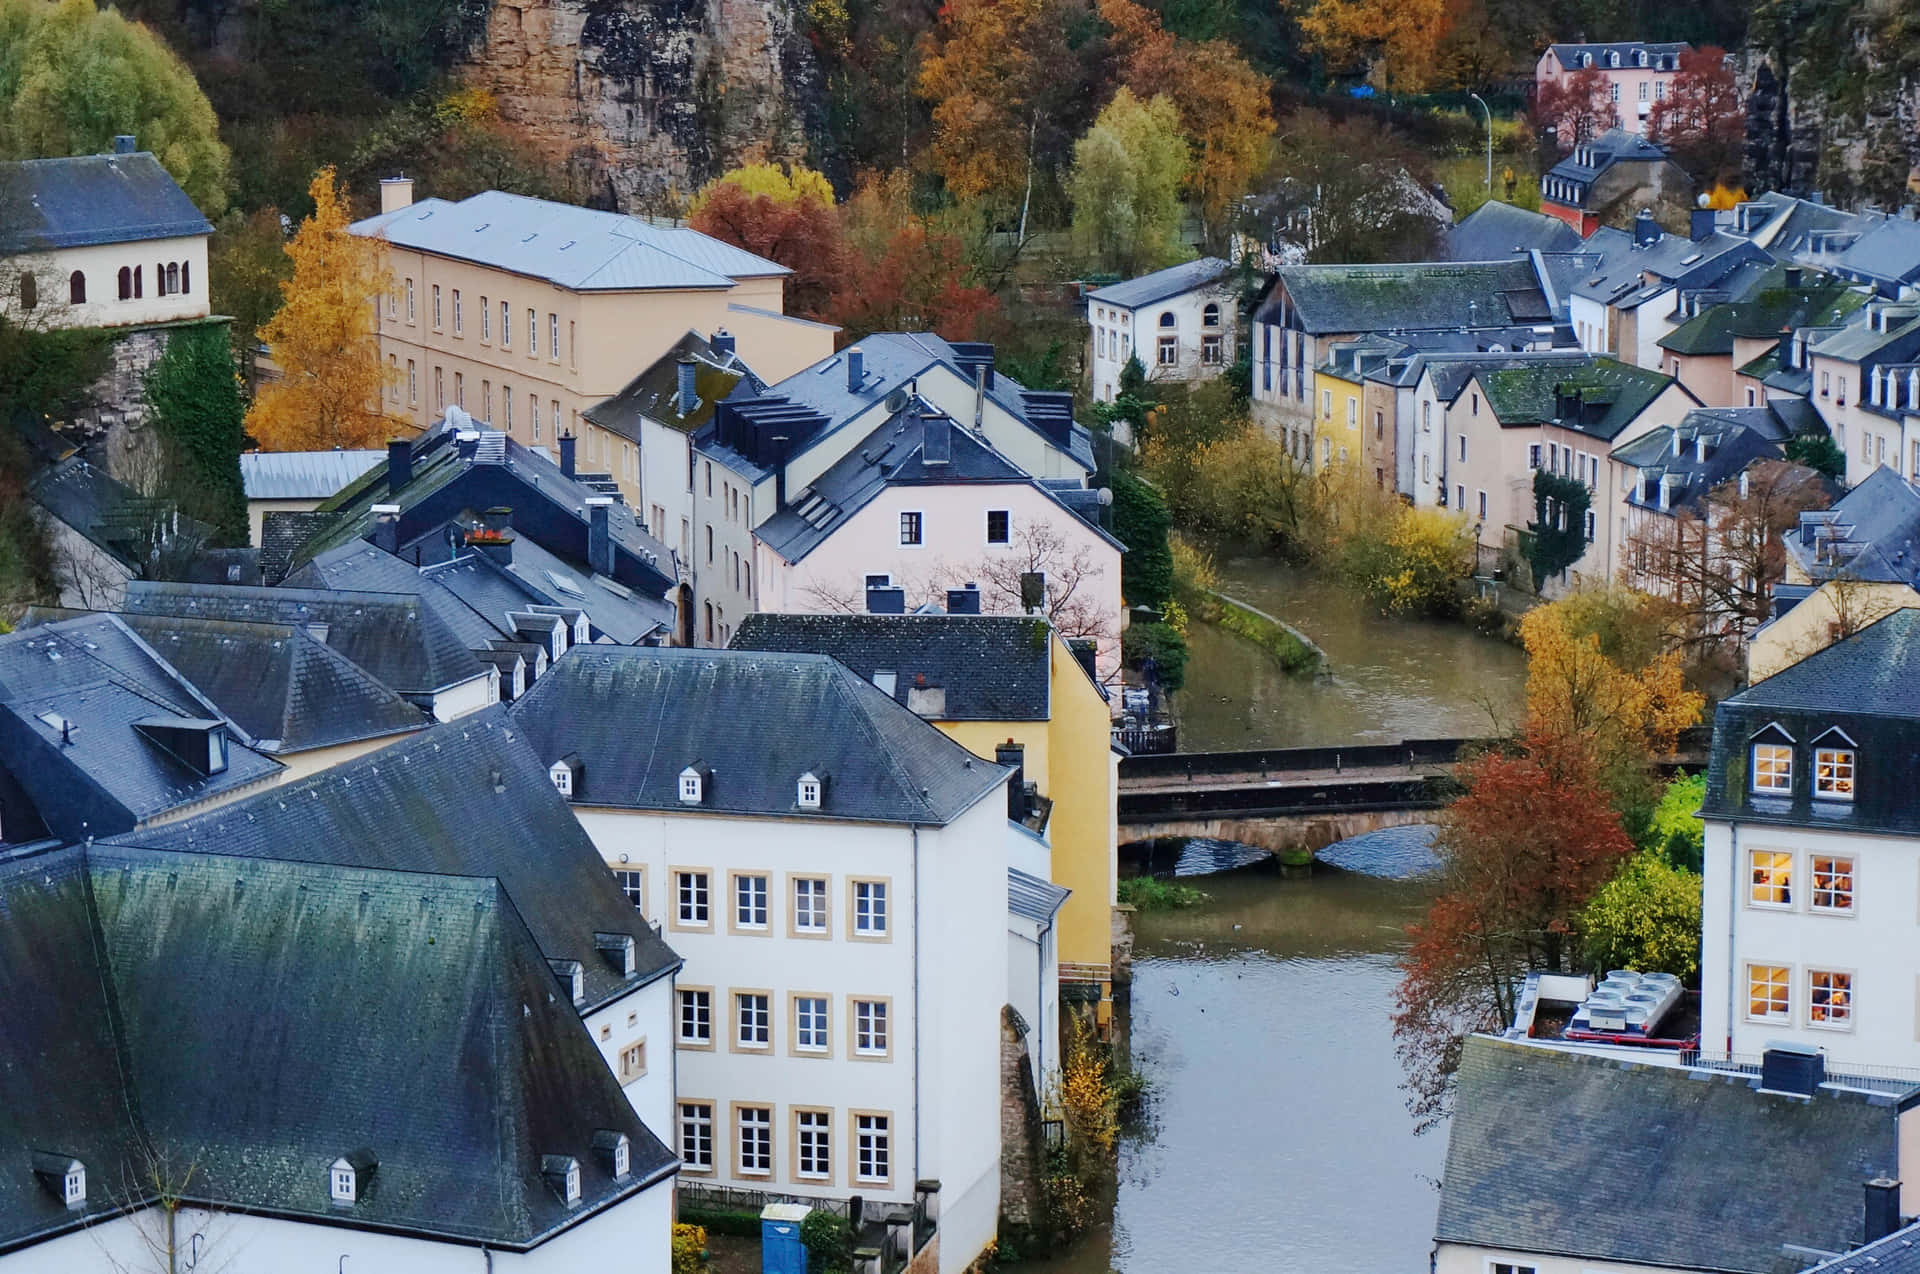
{"x":886,"y":600}
{"x":125,"y":144}
{"x":1645,"y":229}
{"x":689,"y":396}
{"x":386,"y":528}
{"x":567,"y":444}
{"x":964,"y":601}
{"x":856,"y":369}
{"x":722,"y":342}
{"x":1787,"y":1066}
{"x":599,"y":534}
{"x":396,"y":193}
{"x":1883,"y":1208}
{"x":399,"y":465}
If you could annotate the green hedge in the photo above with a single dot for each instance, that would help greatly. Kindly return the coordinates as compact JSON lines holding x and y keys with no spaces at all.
{"x":745,"y":1225}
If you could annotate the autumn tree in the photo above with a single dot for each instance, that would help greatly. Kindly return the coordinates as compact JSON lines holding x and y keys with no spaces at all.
{"x":1393,"y":41}
{"x":1703,"y":120}
{"x":905,"y":270}
{"x":325,"y":339}
{"x":74,"y":75}
{"x":246,"y":264}
{"x":785,"y":215}
{"x":1126,"y":180}
{"x":1347,"y":190}
{"x":1575,"y":107}
{"x":1646,"y":918}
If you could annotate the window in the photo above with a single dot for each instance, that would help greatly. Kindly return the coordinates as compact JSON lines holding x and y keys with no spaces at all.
{"x":1829,"y":999}
{"x":77,"y":288}
{"x":409,"y":300}
{"x":1772,"y":767}
{"x":570,"y":355}
{"x":459,"y":390}
{"x":1326,"y":404}
{"x":690,"y":888}
{"x":750,"y":902}
{"x":343,"y":1191}
{"x":696,"y":1136}
{"x":810,"y":905}
{"x":873,"y":1148}
{"x":506,"y":405}
{"x":752,"y":1019}
{"x":1768,"y":998}
{"x":553,"y":338}
{"x":1353,"y":411}
{"x":1592,"y":525}
{"x":413,"y":385}
{"x":1660,"y":91}
{"x":755,"y":1127}
{"x":869,"y":909}
{"x":1210,"y":316}
{"x":1503,"y":1267}
{"x":126,"y":284}
{"x":633,"y":1061}
{"x":439,"y":388}
{"x":1463,"y":448}
{"x":1483,"y":506}
{"x":696,"y":1016}
{"x":870,"y":1037}
{"x":506,"y":326}
{"x":1833,"y":773}
{"x":1210,"y":350}
{"x":1379,"y":426}
{"x":812,"y":1145}
{"x":910,"y":528}
{"x":1166,"y":318}
{"x":486,"y":319}
{"x":533,"y":334}
{"x":1644,"y":89}
{"x":1832,"y":882}
{"x":457,"y":324}
{"x":486,"y":397}
{"x":393,"y":377}
{"x":1769,"y":878}
{"x":998,"y":526}
{"x":1613,"y":92}
{"x":136,"y":283}
{"x":633,"y":884}
{"x":1168,"y":351}
{"x":436,"y":307}
{"x":810,"y":1023}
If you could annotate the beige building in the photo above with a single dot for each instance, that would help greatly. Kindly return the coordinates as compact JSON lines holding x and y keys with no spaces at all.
{"x":526,"y":312}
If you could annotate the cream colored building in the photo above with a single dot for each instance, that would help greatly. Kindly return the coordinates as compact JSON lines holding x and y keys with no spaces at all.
{"x":526,"y":312}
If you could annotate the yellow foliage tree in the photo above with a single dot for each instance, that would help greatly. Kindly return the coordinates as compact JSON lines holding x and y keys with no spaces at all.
{"x":785,"y":186}
{"x":325,"y":339}
{"x":978,"y":77}
{"x":1400,"y":39}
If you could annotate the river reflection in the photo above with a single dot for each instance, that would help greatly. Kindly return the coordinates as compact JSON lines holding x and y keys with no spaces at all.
{"x":1278,"y":1138}
{"x":1390,"y":679}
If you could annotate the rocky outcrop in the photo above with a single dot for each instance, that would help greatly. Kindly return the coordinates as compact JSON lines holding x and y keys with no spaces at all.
{"x":644,"y":100}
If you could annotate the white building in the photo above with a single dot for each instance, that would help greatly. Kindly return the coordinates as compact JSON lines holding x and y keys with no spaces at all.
{"x":100,"y":241}
{"x":1811,"y":935}
{"x":835,"y":872}
{"x":1180,"y":322}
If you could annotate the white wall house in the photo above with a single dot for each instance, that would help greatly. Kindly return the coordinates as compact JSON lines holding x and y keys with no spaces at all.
{"x":1181,"y":322}
{"x":835,"y":873}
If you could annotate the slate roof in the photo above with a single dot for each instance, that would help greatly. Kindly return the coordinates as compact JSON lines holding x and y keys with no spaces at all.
{"x":655,"y":393}
{"x":467,"y":798}
{"x":83,"y":200}
{"x":134,"y":982}
{"x":1032,"y":897}
{"x":104,"y":775}
{"x":638,"y":716}
{"x":1769,"y":311}
{"x":1614,"y":394}
{"x":394,"y":636}
{"x":1887,"y":254}
{"x":1585,"y":163}
{"x":1735,"y":438}
{"x":1875,"y":527}
{"x":1160,"y":285}
{"x":1671,"y":261}
{"x":303,"y":475}
{"x":992,"y":667}
{"x":1862,"y":342}
{"x":1562,"y":1153}
{"x":1338,"y":299}
{"x":110,"y":515}
{"x":282,"y":535}
{"x":571,"y":247}
{"x":1496,"y":229}
{"x":1569,"y":54}
{"x":1898,"y":1253}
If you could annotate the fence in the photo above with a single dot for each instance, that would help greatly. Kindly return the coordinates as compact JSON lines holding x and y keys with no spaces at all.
{"x":1148,"y":740}
{"x":1408,"y":752}
{"x":715,"y":1198}
{"x":1881,"y":1079}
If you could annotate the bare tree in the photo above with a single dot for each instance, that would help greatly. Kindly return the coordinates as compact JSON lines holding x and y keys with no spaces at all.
{"x":171,"y":1233}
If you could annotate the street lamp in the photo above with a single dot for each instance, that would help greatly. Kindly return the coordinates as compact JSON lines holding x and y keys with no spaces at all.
{"x":1484,"y":107}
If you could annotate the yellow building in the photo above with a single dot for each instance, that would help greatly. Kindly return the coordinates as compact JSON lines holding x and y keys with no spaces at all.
{"x":524,"y":313}
{"x":1338,"y":393}
{"x":1010,"y":690}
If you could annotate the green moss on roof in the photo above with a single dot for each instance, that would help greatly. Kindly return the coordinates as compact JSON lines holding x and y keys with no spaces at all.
{"x":1530,"y":395}
{"x":1769,"y":310}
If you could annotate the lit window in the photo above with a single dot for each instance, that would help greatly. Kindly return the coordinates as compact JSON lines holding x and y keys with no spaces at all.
{"x":1768,"y":997}
{"x":756,"y":1140}
{"x":810,"y":1023}
{"x":869,"y":908}
{"x":691,"y":888}
{"x":750,"y":902}
{"x":633,"y":885}
{"x":1832,"y":882}
{"x":870,"y":1028}
{"x":752,"y":1020}
{"x":1829,"y":998}
{"x":873,"y":1150}
{"x":1770,"y":878}
{"x":813,"y":1151}
{"x":696,"y":1017}
{"x":810,"y":904}
{"x":696,"y":1136}
{"x":1833,"y":773}
{"x":1772,"y":767}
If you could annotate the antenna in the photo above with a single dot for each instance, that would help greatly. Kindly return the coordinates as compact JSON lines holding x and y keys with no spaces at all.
{"x":896,"y":401}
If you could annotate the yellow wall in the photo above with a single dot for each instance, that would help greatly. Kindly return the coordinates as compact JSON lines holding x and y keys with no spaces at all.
{"x":1336,"y":418}
{"x":1811,"y":625}
{"x":301,"y":764}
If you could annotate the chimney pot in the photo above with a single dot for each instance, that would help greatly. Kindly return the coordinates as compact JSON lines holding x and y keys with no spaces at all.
{"x":1883,"y":1208}
{"x":568,"y":443}
{"x":396,"y":193}
{"x":689,"y":396}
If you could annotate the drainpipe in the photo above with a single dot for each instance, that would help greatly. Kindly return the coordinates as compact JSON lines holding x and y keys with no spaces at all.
{"x":919,"y":1171}
{"x":1733,"y":911}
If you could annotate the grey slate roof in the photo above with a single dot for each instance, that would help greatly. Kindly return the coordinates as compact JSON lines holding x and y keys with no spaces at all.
{"x":1162,"y":284}
{"x":638,"y":716}
{"x":1877,"y":529}
{"x":466,"y":798}
{"x":240,"y":1017}
{"x":572,"y":247}
{"x":1898,"y":1253}
{"x":1735,"y":438}
{"x":991,"y":667}
{"x":1496,"y":229}
{"x":1337,"y":299}
{"x":1601,"y":1159}
{"x":92,"y":199}
{"x":655,"y":393}
{"x":1589,"y":159}
{"x":1887,"y":253}
{"x":282,"y":535}
{"x":303,"y":475}
{"x":111,"y":515}
{"x":394,"y":636}
{"x":1569,"y":54}
{"x":1671,"y":260}
{"x":1030,"y":896}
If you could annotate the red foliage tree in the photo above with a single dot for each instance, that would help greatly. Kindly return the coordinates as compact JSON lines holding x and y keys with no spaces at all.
{"x":804,"y":235}
{"x":1702,"y":120}
{"x":905,"y":272}
{"x":1575,"y":107}
{"x":1522,"y":851}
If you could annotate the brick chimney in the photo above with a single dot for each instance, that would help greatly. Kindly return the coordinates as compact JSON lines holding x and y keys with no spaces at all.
{"x":399,"y":465}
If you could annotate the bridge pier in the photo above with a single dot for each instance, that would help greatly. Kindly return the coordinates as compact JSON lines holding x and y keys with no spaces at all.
{"x":1283,"y":835}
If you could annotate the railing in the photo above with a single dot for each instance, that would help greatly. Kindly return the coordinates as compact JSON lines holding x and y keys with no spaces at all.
{"x":1071,"y":971}
{"x":1418,"y":792}
{"x":1845,"y":1074}
{"x":1148,"y":740}
{"x":717,"y":1198}
{"x":1409,"y":752}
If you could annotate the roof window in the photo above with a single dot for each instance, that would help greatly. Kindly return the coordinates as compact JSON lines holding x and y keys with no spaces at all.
{"x":812,"y":788}
{"x":349,"y":1174}
{"x":563,"y":1175}
{"x":573,"y":978}
{"x":63,"y":1176}
{"x":618,"y":948}
{"x":566,"y":773}
{"x":693,"y":784}
{"x":615,"y":1151}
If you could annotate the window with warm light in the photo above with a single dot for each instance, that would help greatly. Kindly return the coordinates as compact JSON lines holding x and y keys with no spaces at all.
{"x":1770,"y":878}
{"x":1833,"y":773}
{"x":1832,"y":882}
{"x":1772,"y":767}
{"x":1769,"y":998}
{"x":1829,"y":999}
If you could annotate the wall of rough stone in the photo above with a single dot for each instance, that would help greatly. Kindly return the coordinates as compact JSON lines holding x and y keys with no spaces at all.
{"x":1020,"y":1155}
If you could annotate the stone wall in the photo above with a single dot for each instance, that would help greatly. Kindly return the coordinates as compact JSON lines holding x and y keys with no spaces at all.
{"x":644,"y":100}
{"x":112,"y":431}
{"x":1020,"y":1154}
{"x":1289,"y":833}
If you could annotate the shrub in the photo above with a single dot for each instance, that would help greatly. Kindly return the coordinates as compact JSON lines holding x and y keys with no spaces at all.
{"x":1412,"y":565}
{"x":1161,"y":643}
{"x":1150,"y":893}
{"x":689,"y":1249}
{"x":1673,"y":830}
{"x":1140,"y":521}
{"x":1194,"y":576}
{"x":731,"y":1222}
{"x":1647,"y":918}
{"x":829,"y":1242}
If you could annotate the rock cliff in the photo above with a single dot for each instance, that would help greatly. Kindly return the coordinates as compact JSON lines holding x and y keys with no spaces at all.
{"x":643,"y":100}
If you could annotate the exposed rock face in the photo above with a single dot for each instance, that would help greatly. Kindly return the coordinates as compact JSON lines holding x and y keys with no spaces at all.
{"x":644,"y":100}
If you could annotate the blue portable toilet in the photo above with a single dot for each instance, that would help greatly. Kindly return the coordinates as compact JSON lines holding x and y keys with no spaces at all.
{"x":781,"y":1251}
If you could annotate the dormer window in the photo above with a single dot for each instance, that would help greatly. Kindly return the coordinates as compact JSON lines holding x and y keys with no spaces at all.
{"x":563,"y":1175}
{"x":1640,"y":58}
{"x":1833,"y":762}
{"x":73,"y":1187}
{"x":812,"y":786}
{"x":573,"y":978}
{"x":63,"y":1176}
{"x":1613,"y":59}
{"x":622,"y":1158}
{"x":615,"y":1152}
{"x":565,"y":774}
{"x":1773,"y":762}
{"x":348,"y":1175}
{"x":342,"y":1182}
{"x":693,"y":785}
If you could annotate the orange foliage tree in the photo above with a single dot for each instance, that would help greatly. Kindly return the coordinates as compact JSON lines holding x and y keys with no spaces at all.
{"x":1702,"y":120}
{"x":325,"y":340}
{"x":1396,"y":41}
{"x":905,"y":271}
{"x":981,"y":77}
{"x":1575,"y":107}
{"x":795,"y":224}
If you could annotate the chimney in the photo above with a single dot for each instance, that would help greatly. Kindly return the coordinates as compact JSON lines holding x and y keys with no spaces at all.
{"x":887,"y":599}
{"x":1084,"y":649}
{"x":1883,"y":1208}
{"x":599,"y":534}
{"x":964,"y":601}
{"x":689,"y":397}
{"x":1014,"y":756}
{"x":1701,"y":224}
{"x":497,"y":518}
{"x":386,"y":528}
{"x":497,"y":545}
{"x":722,"y":342}
{"x":396,"y":193}
{"x":779,"y":472}
{"x":1793,"y":276}
{"x":856,"y":369}
{"x":1645,"y":229}
{"x":976,"y":361}
{"x":399,"y":465}
{"x":567,"y":444}
{"x":125,"y":144}
{"x":467,"y":443}
{"x":1033,"y":591}
{"x":1787,"y":1066}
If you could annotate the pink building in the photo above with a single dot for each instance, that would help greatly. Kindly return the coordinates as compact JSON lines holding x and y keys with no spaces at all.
{"x":1640,"y":74}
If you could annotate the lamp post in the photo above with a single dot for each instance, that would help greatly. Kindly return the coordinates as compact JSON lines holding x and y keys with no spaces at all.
{"x":1483,"y":106}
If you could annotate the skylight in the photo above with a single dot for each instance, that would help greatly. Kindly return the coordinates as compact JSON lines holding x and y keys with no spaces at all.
{"x":565,"y":583}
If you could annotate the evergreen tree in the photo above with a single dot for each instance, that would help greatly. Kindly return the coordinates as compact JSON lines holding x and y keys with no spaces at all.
{"x":194,"y":397}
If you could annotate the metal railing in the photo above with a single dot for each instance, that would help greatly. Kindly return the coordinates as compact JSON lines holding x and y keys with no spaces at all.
{"x":1074,"y":971}
{"x":703,"y":1196}
{"x":1845,"y":1074}
{"x":1148,"y":740}
{"x":1197,"y":765}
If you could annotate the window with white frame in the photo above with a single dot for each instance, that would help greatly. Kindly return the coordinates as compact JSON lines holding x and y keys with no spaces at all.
{"x":752,"y":1020}
{"x":458,"y":324}
{"x":1168,"y":351}
{"x":755,"y":1135}
{"x":810,"y":1023}
{"x":750,"y":902}
{"x":506,"y":326}
{"x":1770,"y":878}
{"x":870,"y":1038}
{"x":813,"y":1144}
{"x":1832,"y":882}
{"x":696,"y":1016}
{"x":810,"y":904}
{"x":808,"y":794}
{"x":691,"y":889}
{"x":911,"y":528}
{"x":873,"y":1148}
{"x":1769,"y":995}
{"x":343,"y":1190}
{"x":1212,"y":349}
{"x":436,"y":307}
{"x":533,"y":334}
{"x":409,"y":300}
{"x":1772,"y":767}
{"x":1508,"y":1267}
{"x":486,"y":319}
{"x":690,"y":786}
{"x":553,"y":337}
{"x":1829,"y":998}
{"x":870,"y":908}
{"x":696,"y":1135}
{"x":633,"y":884}
{"x":1833,"y":773}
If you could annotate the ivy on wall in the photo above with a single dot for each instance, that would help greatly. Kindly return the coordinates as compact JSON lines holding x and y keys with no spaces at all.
{"x":1559,"y":524}
{"x":193,"y":392}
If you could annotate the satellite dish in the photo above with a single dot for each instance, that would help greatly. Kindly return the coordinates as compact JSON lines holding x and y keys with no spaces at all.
{"x":896,"y":401}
